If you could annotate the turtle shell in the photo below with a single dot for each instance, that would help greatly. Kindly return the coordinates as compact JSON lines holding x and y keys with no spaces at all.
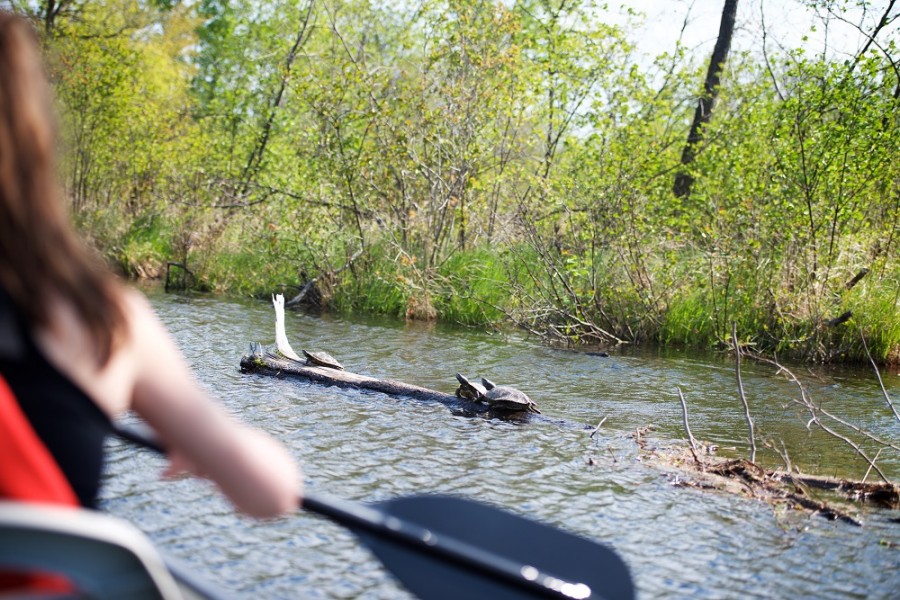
{"x":508,"y":398}
{"x":469,"y":389}
{"x":322,"y":359}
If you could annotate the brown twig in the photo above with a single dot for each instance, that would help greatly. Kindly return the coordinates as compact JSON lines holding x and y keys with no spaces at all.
{"x":614,"y":459}
{"x":869,"y":470}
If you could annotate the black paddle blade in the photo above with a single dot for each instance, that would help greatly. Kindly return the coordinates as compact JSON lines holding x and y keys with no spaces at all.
{"x":577,"y":567}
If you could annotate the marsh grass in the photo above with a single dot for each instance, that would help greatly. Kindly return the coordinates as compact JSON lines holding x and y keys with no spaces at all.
{"x":497,"y":285}
{"x":471,"y":292}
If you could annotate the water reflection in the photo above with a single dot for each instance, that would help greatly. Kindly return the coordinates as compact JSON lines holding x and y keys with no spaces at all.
{"x":366,"y":446}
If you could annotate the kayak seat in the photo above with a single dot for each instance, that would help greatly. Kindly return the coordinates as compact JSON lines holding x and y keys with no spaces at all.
{"x":103,"y":556}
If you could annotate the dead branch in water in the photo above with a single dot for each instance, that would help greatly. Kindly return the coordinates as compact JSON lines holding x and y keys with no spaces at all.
{"x":687,"y":429}
{"x":816,"y":413}
{"x":878,"y":376}
{"x":740,"y":384}
{"x":742,"y":477}
{"x":885,"y":495}
{"x":639,"y":434}
{"x":599,"y":425}
{"x":777,"y":487}
{"x":758,"y":479}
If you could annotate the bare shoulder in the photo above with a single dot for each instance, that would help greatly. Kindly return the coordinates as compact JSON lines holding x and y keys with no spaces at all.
{"x":142,"y":319}
{"x":159,"y":359}
{"x":136,"y":304}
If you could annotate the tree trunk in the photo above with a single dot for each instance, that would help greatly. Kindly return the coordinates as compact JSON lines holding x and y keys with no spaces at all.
{"x":683,"y":181}
{"x":254,"y":162}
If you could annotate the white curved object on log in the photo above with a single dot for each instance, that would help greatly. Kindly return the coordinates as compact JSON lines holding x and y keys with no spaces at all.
{"x":281,"y":341}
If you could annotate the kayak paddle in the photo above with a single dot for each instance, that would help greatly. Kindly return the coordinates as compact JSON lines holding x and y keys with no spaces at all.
{"x":443,"y":547}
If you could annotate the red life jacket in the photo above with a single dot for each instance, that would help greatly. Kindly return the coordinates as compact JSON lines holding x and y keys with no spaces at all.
{"x":46,"y":421}
{"x":51,"y":433}
{"x":28,"y":473}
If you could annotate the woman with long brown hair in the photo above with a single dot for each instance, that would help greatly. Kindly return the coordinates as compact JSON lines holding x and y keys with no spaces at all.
{"x":78,"y":348}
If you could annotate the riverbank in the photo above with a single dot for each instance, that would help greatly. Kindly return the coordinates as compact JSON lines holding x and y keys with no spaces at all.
{"x":495,"y":287}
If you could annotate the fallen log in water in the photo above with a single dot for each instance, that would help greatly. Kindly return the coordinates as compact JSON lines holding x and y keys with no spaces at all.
{"x":284,"y":361}
{"x":270,"y":362}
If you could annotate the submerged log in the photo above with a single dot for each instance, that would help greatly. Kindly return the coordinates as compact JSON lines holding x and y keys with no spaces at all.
{"x":879,"y":493}
{"x":270,"y":362}
{"x":744,"y":478}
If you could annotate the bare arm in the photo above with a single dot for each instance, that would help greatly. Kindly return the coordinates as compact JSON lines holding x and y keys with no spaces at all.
{"x":254,"y":471}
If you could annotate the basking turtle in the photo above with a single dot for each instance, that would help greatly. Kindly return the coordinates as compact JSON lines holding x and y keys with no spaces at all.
{"x":322,"y":359}
{"x":501,"y":396}
{"x":469,"y":389}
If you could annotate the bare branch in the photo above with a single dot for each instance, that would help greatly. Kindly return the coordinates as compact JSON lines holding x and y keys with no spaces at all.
{"x":254,"y":162}
{"x":878,"y":376}
{"x":740,"y":384}
{"x":687,"y":428}
{"x":816,"y":412}
{"x":765,"y":36}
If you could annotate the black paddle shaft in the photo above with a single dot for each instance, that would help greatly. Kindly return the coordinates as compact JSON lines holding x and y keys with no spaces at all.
{"x":445,"y":547}
{"x":387,"y":528}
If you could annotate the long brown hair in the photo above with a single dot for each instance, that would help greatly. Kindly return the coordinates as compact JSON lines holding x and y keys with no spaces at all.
{"x":41,"y":257}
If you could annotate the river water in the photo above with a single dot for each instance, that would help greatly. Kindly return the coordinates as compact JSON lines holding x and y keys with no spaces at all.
{"x":679,"y":542}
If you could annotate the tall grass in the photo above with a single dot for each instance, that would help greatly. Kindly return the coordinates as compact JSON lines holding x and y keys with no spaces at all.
{"x":471,"y":288}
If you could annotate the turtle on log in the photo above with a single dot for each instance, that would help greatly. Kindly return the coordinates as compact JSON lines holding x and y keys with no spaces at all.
{"x":508,"y":398}
{"x":322,"y":359}
{"x":470,"y":390}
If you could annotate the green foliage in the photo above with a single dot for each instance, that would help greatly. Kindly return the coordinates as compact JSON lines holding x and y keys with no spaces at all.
{"x":144,"y":247}
{"x":481,"y":162}
{"x":228,"y":272}
{"x":875,"y":307}
{"x":379,"y":289}
{"x":473,"y":288}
